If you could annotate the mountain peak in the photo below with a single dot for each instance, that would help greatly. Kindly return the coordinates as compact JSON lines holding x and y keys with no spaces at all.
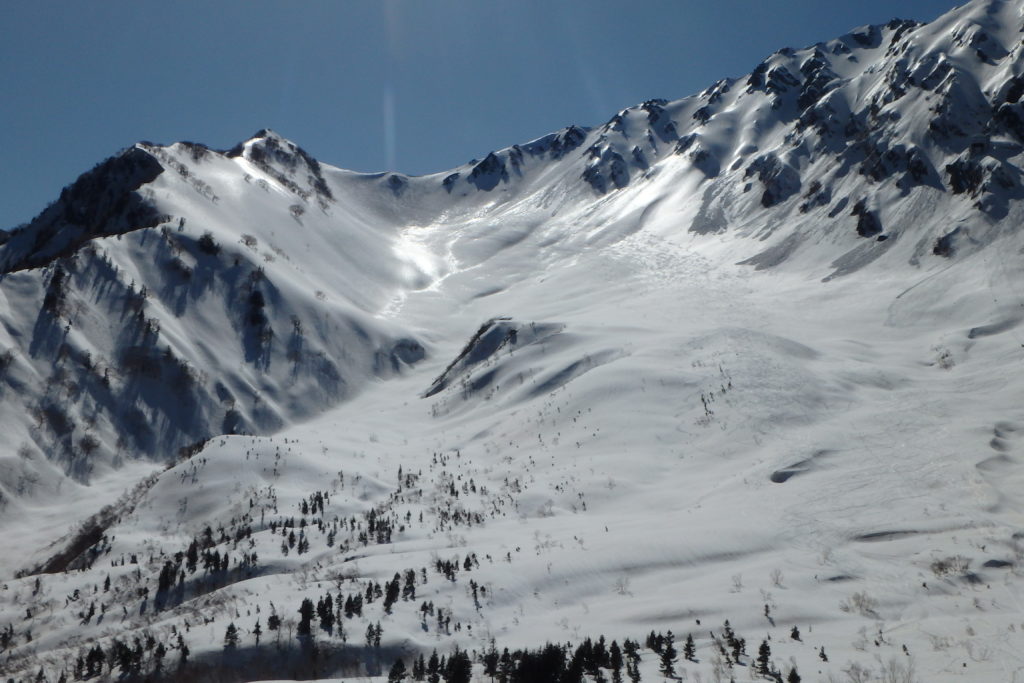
{"x":285,"y":161}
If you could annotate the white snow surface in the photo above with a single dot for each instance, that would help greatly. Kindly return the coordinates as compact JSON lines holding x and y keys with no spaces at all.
{"x":642,"y":393}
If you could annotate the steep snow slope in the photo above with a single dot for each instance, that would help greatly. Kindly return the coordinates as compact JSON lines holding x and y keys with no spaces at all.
{"x":226,"y":308}
{"x":740,"y":356}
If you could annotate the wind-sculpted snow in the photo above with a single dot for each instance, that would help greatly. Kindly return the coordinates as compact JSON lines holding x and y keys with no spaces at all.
{"x":738,"y":367}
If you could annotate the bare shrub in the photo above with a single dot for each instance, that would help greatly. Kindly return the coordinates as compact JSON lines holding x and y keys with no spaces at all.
{"x":897,"y":671}
{"x":855,"y":673}
{"x":209,"y":245}
{"x":862,"y":604}
{"x":954,"y":565}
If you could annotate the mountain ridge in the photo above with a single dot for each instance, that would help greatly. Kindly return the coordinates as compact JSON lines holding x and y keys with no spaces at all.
{"x":740,"y":356}
{"x":862,"y":161}
{"x":799,"y":88}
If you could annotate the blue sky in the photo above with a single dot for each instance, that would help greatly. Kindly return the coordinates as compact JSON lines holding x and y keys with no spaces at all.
{"x":413,"y":86}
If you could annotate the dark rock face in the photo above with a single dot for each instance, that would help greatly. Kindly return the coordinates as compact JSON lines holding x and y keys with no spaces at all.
{"x":816,"y":196}
{"x":715,"y":92}
{"x":780,"y":80}
{"x":607,"y":170}
{"x":661,"y":124}
{"x":567,"y":141}
{"x":945,"y":246}
{"x":869,"y":37}
{"x":918,"y":166}
{"x":556,"y":145}
{"x":685,"y":143}
{"x":1009,"y":117}
{"x":706,"y":162}
{"x":780,"y":180}
{"x":488,"y":173}
{"x":900,"y":28}
{"x":284,"y":160}
{"x":639,"y":158}
{"x":755,"y":81}
{"x":1013,"y":90}
{"x":868,"y":224}
{"x":449,"y":182}
{"x":819,"y":79}
{"x":965,"y":176}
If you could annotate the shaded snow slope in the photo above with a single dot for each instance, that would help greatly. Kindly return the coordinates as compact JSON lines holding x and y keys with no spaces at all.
{"x":746,"y":355}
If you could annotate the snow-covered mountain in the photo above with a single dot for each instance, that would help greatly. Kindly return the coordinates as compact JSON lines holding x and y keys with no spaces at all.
{"x":742,"y":356}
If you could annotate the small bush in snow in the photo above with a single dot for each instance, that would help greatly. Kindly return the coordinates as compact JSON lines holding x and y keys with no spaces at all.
{"x":208,"y":245}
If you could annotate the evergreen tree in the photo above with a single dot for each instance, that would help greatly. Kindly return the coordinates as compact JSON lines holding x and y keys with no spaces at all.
{"x":94,"y":661}
{"x":398,"y":672}
{"x":121,"y":656}
{"x":574,"y":671}
{"x":547,"y":664}
{"x":191,"y":557}
{"x":231,"y":637}
{"x":490,"y":660}
{"x":689,"y":649}
{"x":505,"y":666}
{"x":601,"y":653}
{"x":409,"y":589}
{"x":306,"y":617}
{"x":764,"y":654}
{"x":166,"y":579}
{"x":795,"y":633}
{"x":728,"y":633}
{"x":793,"y":676}
{"x":257,"y":631}
{"x":739,"y":648}
{"x":615,"y":662}
{"x":459,"y":668}
{"x":392,"y":591}
{"x":585,"y":657}
{"x":183,"y":651}
{"x":371,"y":635}
{"x":419,"y":669}
{"x":632,"y":651}
{"x":433,"y":669}
{"x":158,"y":658}
{"x":668,"y":656}
{"x":325,"y":611}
